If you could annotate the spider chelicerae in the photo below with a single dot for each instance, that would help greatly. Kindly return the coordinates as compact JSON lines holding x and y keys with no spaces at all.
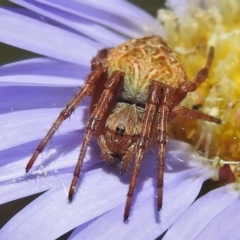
{"x":136,"y":89}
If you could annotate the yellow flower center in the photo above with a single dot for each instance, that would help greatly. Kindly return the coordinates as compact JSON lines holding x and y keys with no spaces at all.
{"x":191,"y":36}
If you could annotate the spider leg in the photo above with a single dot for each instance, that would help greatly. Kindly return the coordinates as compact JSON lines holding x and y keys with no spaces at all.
{"x":194,"y":114}
{"x":144,"y":139}
{"x":91,"y":80}
{"x":87,"y":89}
{"x":115,"y":81}
{"x":187,"y":87}
{"x":161,"y":130}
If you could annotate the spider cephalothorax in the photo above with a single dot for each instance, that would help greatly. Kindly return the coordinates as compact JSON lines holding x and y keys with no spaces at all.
{"x":136,"y":89}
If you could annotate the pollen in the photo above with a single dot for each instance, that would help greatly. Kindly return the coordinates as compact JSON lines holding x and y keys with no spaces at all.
{"x":191,"y":35}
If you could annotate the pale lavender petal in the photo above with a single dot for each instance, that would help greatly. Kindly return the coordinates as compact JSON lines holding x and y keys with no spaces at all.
{"x":54,"y":202}
{"x":122,"y":8}
{"x":118,"y":23}
{"x":36,"y":80}
{"x":43,"y":71}
{"x":26,"y":186}
{"x":201,"y":213}
{"x":225,"y":225}
{"x":90,"y":202}
{"x":180,"y":190}
{"x":146,"y":23}
{"x":36,"y":36}
{"x":18,"y":98}
{"x":86,"y":27}
{"x":29,"y":184}
{"x":21,"y":134}
{"x":35,"y":123}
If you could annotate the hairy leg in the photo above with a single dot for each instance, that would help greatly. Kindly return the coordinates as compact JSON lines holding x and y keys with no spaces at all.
{"x":92,"y":79}
{"x":161,"y":131}
{"x":187,"y":87}
{"x":194,"y":114}
{"x":144,"y":140}
{"x":114,"y":82}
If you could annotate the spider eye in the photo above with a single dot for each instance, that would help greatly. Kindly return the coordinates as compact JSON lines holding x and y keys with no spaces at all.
{"x":120,"y":130}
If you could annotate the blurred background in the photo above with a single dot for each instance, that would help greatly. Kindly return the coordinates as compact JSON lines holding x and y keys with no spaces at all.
{"x":11,"y":54}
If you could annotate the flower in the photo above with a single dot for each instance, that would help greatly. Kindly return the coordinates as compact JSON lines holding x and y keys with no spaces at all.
{"x":199,"y":29}
{"x":67,"y":35}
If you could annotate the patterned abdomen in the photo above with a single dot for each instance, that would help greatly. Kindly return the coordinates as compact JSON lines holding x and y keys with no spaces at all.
{"x":143,"y":60}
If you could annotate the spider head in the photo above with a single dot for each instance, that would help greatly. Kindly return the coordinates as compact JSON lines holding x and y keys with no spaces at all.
{"x":122,"y":127}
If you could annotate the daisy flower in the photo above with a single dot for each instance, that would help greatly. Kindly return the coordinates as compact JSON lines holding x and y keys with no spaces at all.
{"x":67,"y":34}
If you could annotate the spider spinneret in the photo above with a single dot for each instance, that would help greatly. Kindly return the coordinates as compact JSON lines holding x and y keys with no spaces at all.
{"x":136,"y":89}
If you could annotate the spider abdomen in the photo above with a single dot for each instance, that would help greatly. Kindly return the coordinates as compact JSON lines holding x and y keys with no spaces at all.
{"x":143,"y":60}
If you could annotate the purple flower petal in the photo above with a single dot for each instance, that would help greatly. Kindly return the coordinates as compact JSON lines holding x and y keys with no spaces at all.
{"x":94,"y":31}
{"x":26,"y":186}
{"x":43,"y":71}
{"x":48,"y":96}
{"x":35,"y":36}
{"x":180,"y":190}
{"x":130,"y":27}
{"x":204,"y":210}
{"x":20,"y":136}
{"x":225,"y":225}
{"x":97,"y":201}
{"x":34,"y":123}
{"x":121,"y":8}
{"x":145,"y":22}
{"x":65,"y":216}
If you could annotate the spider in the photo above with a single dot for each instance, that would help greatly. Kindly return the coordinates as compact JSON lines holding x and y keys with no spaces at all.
{"x":136,"y":89}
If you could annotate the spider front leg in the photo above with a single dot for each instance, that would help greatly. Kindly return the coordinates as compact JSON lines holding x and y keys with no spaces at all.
{"x":92,"y":79}
{"x":186,"y":86}
{"x":161,"y":131}
{"x":113,"y":84}
{"x":87,"y":88}
{"x":144,"y":139}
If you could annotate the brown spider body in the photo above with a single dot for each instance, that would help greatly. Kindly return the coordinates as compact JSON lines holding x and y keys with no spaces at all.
{"x":144,"y":60}
{"x":136,"y":89}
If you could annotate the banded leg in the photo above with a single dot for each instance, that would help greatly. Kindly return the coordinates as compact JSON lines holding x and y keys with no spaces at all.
{"x":194,"y":114}
{"x":145,"y":140}
{"x":113,"y":83}
{"x":187,"y":87}
{"x":162,"y":121}
{"x":87,"y":88}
